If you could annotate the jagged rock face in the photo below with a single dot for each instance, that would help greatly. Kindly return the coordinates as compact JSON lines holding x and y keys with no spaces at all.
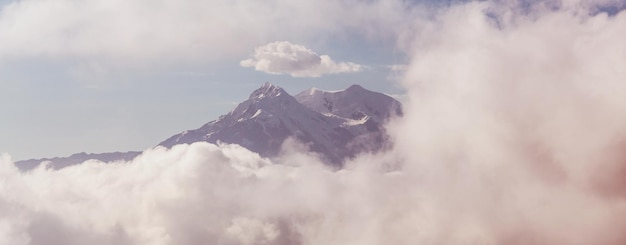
{"x":335,"y":124}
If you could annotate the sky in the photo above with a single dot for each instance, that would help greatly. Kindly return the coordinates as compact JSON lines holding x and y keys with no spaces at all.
{"x":513,"y":129}
{"x":100,"y":76}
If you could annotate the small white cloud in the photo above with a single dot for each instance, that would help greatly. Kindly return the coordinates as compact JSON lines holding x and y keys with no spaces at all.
{"x":295,"y":60}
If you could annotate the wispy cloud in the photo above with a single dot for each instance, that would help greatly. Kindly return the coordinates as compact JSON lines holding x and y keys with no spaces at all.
{"x":398,"y":67}
{"x":126,"y":32}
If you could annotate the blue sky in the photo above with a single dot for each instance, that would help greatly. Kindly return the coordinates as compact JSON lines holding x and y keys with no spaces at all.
{"x":98,"y":76}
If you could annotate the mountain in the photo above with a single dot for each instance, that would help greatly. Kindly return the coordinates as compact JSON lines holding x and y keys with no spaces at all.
{"x":336,"y":125}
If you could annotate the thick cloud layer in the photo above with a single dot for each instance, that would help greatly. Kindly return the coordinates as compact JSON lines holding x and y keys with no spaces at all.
{"x":296,"y":60}
{"x":517,"y":124}
{"x":194,"y":194}
{"x":513,"y":134}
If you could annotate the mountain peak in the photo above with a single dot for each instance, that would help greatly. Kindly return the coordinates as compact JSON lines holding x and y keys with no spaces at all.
{"x":268,"y":85}
{"x":351,"y":103}
{"x":267,"y":90}
{"x":355,"y":87}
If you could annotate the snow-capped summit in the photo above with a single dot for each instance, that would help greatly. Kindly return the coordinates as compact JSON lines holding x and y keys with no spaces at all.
{"x":267,"y":98}
{"x":267,"y":90}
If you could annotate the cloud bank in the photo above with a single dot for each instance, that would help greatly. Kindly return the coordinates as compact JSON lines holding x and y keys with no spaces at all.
{"x":295,"y":60}
{"x":513,"y":134}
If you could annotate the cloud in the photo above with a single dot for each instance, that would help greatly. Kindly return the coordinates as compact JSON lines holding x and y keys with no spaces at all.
{"x":124,"y":33}
{"x":296,"y":60}
{"x":190,"y":194}
{"x":516,"y":122}
{"x":252,"y":231}
{"x":397,"y":67}
{"x":513,"y":134}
